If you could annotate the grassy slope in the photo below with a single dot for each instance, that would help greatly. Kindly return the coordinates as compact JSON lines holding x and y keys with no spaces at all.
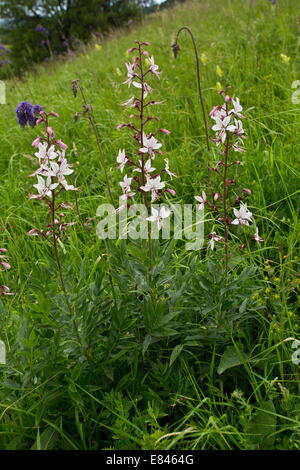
{"x":246,"y":43}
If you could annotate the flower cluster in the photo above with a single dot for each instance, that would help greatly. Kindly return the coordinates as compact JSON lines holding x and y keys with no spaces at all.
{"x":229,"y":136}
{"x":228,"y":125}
{"x":27,"y":113}
{"x":51,"y":175}
{"x":145,"y":180}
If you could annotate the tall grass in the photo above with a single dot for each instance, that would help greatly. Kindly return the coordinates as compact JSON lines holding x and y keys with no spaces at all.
{"x":178,"y":361}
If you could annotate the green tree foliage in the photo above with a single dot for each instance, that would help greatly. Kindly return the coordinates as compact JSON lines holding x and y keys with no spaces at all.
{"x":69,"y":23}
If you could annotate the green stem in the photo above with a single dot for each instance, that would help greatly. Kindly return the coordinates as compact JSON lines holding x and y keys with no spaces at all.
{"x":146,"y":201}
{"x":96,"y":134}
{"x":225,"y":197}
{"x":185,"y":28}
{"x":59,"y":266}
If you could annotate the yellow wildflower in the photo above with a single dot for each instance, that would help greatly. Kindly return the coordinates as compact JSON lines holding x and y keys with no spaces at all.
{"x":219,"y":86}
{"x":285,"y":58}
{"x":204,"y":58}
{"x":219,"y":71}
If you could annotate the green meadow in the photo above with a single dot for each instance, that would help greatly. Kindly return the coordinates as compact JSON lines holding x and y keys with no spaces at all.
{"x":180,"y":352}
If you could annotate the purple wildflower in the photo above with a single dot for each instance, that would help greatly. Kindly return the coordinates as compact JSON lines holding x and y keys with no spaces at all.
{"x":3,"y":48}
{"x":26,"y":113}
{"x":37,"y":109}
{"x":42,"y":29}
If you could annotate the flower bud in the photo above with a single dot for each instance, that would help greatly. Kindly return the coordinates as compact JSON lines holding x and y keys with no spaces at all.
{"x":50,"y":132}
{"x":61,"y":144}
{"x":171,"y":191}
{"x":36,"y":142}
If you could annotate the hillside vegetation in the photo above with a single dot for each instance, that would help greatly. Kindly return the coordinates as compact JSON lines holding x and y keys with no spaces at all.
{"x":180,"y":352}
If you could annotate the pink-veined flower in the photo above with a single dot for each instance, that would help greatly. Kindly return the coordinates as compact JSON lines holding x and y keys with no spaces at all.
{"x":202,"y":199}
{"x":130,"y":74}
{"x":126,"y":188}
{"x":147,"y":88}
{"x":147,"y":167}
{"x":222,"y":127}
{"x":153,"y":185}
{"x":122,"y":159}
{"x":167,"y":170}
{"x":60,"y":171}
{"x":213,"y":237}
{"x":46,"y":153}
{"x":236,"y":108}
{"x":159,"y":215}
{"x":44,"y":187}
{"x":153,"y":67}
{"x":129,"y":103}
{"x":243,"y":215}
{"x":150,"y":145}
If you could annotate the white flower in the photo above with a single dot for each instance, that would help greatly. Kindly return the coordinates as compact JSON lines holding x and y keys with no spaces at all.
{"x":130,"y":73}
{"x":126,"y":188}
{"x":125,"y":184}
{"x":158,"y":216}
{"x":44,"y":187}
{"x":60,"y":171}
{"x":202,"y":200}
{"x":129,"y":103}
{"x":153,"y":185}
{"x":147,"y":167}
{"x":167,"y":169}
{"x":147,"y":88}
{"x":243,"y":216}
{"x":236,"y":108}
{"x":213,"y":237}
{"x":239,"y":131}
{"x":149,"y":145}
{"x":222,"y":126}
{"x":218,"y":112}
{"x":153,"y":67}
{"x":45,"y":153}
{"x":121,"y":158}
